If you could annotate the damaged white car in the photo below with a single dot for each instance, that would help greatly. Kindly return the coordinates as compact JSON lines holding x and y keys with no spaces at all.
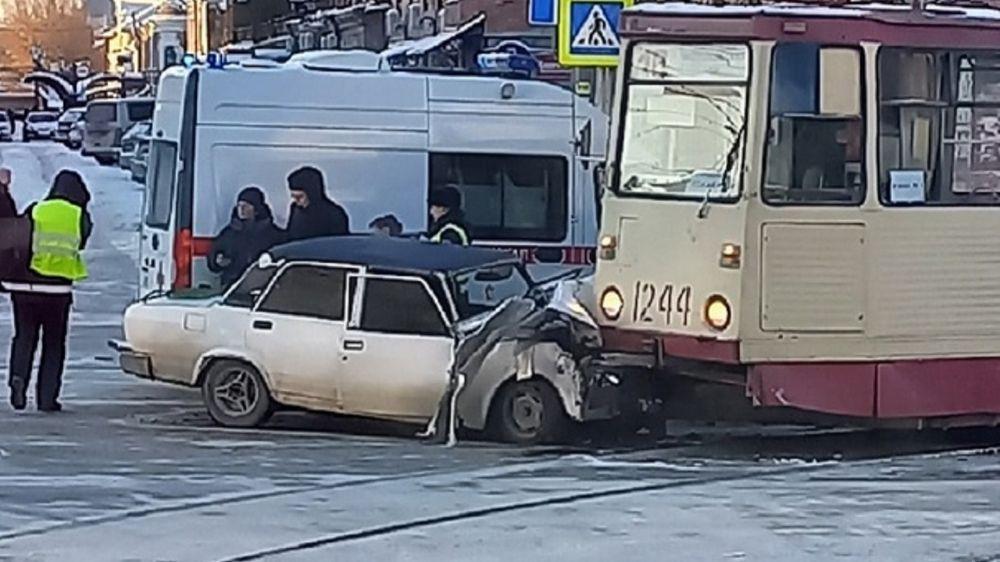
{"x":382,"y":328}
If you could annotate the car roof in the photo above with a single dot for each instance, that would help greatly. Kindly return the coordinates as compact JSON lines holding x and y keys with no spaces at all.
{"x":400,"y":254}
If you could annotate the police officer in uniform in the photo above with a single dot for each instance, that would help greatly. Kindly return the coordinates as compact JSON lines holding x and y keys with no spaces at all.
{"x":43,"y":292}
{"x":448,"y":222}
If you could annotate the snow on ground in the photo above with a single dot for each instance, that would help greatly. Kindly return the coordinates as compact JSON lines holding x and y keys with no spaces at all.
{"x":124,"y":475}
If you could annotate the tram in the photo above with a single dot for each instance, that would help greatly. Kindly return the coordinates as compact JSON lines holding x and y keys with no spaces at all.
{"x":805,"y":201}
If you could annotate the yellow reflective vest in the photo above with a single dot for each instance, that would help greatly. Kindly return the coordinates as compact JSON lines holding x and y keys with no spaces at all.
{"x":463,"y":236}
{"x":55,"y":240}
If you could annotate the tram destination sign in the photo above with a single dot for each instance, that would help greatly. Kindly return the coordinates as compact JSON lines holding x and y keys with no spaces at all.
{"x":588,"y":32}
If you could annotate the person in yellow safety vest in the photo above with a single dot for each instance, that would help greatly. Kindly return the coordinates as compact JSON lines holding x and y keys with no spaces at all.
{"x":43,"y":293}
{"x":448,"y":221}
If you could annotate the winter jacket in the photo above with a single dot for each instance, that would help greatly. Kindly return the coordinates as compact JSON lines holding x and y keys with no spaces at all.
{"x":322,"y":217}
{"x":241,"y":243}
{"x":7,"y":207}
{"x":22,"y":278}
{"x":15,"y":238}
{"x":454,"y":220}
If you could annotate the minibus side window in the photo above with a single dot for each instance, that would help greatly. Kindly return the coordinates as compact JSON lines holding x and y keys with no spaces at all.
{"x":508,"y":197}
{"x":815,"y":149}
{"x":939,"y":127}
{"x":160,"y":196}
{"x":140,"y":111}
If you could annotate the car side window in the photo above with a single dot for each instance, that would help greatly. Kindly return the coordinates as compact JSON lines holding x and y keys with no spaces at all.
{"x":304,"y":290}
{"x":253,"y":283}
{"x":400,"y":306}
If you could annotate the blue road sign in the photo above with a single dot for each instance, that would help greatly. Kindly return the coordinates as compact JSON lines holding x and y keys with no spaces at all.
{"x":588,"y":32}
{"x":542,"y":12}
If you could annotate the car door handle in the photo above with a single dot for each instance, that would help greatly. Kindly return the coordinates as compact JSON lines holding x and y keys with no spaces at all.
{"x":262,"y":324}
{"x":354,"y":345}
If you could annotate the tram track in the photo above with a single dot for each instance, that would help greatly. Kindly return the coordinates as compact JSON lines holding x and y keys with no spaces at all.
{"x":810,"y":451}
{"x":391,"y":528}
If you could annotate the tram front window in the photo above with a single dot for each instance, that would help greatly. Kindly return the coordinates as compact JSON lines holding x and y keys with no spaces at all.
{"x":685,"y":121}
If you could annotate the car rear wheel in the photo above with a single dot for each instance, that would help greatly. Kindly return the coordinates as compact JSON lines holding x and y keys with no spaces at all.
{"x":528,"y":413}
{"x":236,"y":395}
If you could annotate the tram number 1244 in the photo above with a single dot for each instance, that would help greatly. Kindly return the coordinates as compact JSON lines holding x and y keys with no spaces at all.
{"x":668,"y":304}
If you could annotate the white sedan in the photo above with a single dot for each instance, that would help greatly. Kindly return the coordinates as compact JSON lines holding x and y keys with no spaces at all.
{"x":370,"y":327}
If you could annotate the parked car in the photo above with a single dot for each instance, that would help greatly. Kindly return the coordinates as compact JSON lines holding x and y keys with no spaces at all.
{"x":6,"y":127}
{"x":67,"y":121}
{"x":131,"y":140}
{"x":139,"y":161}
{"x":40,"y":125}
{"x":75,"y":137}
{"x":367,"y":326}
{"x":106,"y":124}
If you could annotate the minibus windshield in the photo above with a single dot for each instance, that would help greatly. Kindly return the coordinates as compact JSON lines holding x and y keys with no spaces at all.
{"x":684,"y":120}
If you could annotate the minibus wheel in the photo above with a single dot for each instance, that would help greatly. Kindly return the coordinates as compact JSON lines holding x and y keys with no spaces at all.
{"x":236,"y":395}
{"x":528,"y":412}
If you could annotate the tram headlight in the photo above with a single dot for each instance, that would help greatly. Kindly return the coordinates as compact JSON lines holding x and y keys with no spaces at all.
{"x":612,"y":303}
{"x":717,"y":313}
{"x":608,"y":247}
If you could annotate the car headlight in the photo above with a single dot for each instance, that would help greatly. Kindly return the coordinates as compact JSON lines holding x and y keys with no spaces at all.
{"x":612,"y":303}
{"x":717,"y":313}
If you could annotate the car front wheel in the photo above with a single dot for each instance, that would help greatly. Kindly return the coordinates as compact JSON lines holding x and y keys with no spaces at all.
{"x":236,"y":395}
{"x":528,"y":413}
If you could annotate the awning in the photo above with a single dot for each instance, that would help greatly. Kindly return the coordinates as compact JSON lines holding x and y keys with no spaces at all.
{"x":419,"y":47}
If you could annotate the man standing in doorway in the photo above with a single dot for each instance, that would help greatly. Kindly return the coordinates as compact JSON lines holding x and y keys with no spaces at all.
{"x":43,"y":292}
{"x":313,"y":214}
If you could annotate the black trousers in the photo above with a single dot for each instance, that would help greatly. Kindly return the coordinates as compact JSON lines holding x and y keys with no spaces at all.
{"x":47,"y":315}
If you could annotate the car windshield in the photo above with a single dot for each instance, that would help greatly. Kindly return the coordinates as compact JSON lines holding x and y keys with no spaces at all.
{"x":41,"y":118}
{"x":102,"y":112}
{"x":71,"y":117}
{"x":482,"y":289}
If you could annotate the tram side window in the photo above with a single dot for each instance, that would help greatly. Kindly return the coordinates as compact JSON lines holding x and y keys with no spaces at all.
{"x":939,"y":127}
{"x":815,"y":152}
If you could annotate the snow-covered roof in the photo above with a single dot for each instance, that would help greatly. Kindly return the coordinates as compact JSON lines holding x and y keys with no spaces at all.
{"x":806,"y":10}
{"x":425,"y":45}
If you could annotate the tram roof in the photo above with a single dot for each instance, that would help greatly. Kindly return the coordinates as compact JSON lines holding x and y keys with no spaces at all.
{"x":937,"y":25}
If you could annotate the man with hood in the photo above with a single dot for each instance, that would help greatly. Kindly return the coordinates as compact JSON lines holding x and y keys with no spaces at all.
{"x":448,"y":221}
{"x":42,"y":292}
{"x":250,"y":232}
{"x":313,"y":214}
{"x":13,"y":242}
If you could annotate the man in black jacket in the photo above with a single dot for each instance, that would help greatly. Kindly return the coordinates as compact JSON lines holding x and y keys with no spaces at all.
{"x":251,"y":232}
{"x":313,"y":214}
{"x":42,"y":292}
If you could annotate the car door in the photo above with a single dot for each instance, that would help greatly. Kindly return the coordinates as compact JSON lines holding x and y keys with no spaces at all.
{"x":397,"y":351}
{"x":296,"y":332}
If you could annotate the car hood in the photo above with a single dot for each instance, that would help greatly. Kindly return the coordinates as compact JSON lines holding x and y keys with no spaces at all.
{"x":199,"y":301}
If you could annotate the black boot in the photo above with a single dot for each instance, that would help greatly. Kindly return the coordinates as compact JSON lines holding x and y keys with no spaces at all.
{"x":53,"y":406}
{"x":18,"y":396}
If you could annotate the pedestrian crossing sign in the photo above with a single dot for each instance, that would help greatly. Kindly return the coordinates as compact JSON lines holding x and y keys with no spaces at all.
{"x":588,"y":32}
